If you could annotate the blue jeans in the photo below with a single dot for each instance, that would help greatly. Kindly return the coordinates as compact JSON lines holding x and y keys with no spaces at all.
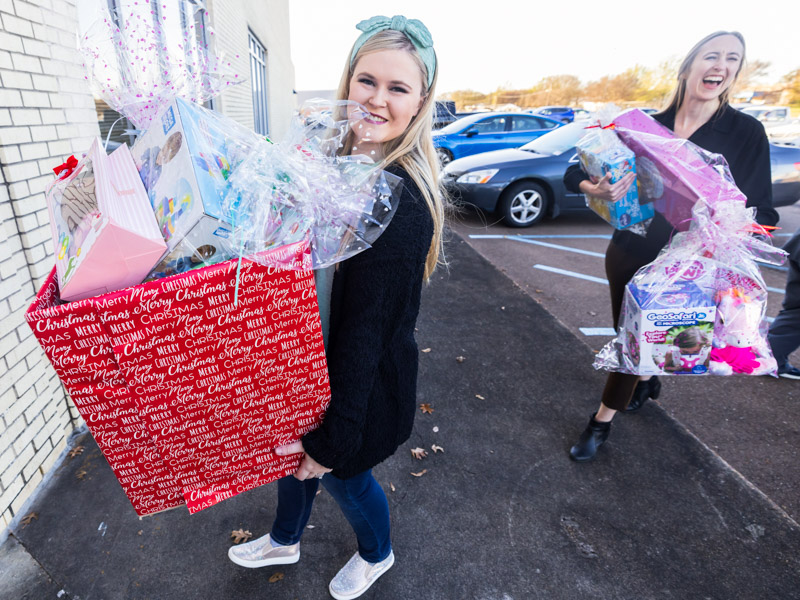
{"x":360,"y":498}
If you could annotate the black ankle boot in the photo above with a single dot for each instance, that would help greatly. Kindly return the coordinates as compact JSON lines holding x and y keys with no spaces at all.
{"x":591,"y":439}
{"x":644,"y":390}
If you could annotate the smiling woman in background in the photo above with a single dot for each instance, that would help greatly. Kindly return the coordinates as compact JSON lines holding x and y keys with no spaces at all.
{"x":699,"y":112}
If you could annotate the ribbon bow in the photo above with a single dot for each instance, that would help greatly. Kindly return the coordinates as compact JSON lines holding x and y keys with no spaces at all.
{"x":413,"y":29}
{"x":65,"y":169}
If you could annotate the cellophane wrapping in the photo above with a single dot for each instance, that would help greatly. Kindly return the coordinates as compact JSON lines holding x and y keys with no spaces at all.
{"x":699,"y":307}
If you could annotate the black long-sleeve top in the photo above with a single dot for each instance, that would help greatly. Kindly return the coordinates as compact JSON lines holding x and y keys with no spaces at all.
{"x":372,"y":355}
{"x":738,"y":137}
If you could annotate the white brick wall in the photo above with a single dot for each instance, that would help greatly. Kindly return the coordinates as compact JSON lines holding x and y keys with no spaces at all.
{"x":46,"y":114}
{"x":269,"y":21}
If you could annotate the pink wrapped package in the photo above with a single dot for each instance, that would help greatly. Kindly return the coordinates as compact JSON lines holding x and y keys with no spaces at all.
{"x":674,"y":173}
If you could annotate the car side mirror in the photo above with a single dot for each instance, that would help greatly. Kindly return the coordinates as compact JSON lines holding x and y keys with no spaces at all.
{"x":471,"y":133}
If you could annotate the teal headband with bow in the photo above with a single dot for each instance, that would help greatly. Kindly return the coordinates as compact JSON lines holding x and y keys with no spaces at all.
{"x":413,"y":29}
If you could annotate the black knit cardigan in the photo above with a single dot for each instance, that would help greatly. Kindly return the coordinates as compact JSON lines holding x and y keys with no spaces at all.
{"x":372,"y":355}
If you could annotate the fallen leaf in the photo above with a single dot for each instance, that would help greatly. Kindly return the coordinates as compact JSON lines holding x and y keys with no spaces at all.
{"x":240,"y":535}
{"x":538,"y":291}
{"x":421,"y":473}
{"x":460,"y":359}
{"x":277,"y":576}
{"x":81,"y":474}
{"x":436,"y":449}
{"x":27,"y":520}
{"x":426,"y":350}
{"x":391,"y":485}
{"x":426,"y":408}
{"x":479,"y":397}
{"x":418,"y":453}
{"x":75,"y":451}
{"x":140,"y":532}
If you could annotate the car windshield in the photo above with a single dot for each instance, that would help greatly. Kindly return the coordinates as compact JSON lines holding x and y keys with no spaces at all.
{"x":460,"y":124}
{"x":557,"y":141}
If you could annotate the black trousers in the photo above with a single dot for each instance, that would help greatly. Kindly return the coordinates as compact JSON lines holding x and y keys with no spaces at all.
{"x":784,"y":333}
{"x":621,"y":266}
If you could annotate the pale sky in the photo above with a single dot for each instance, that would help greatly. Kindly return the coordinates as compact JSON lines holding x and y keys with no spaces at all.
{"x":484,"y":45}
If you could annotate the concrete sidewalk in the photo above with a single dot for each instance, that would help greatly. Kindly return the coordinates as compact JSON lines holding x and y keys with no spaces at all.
{"x":500,"y":514}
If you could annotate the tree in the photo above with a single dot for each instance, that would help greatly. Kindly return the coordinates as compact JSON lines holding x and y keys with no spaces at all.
{"x":558,"y":89}
{"x":656,"y":84}
{"x":791,"y":82}
{"x":751,"y":73}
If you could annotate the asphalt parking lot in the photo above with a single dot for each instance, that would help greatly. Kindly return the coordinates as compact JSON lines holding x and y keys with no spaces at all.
{"x":748,"y":421}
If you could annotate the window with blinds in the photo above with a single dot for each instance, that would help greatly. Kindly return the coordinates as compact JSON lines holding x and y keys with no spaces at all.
{"x":258,"y":81}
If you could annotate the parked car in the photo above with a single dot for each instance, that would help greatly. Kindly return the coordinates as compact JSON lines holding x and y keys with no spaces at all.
{"x":483,"y":132}
{"x":770,"y":116}
{"x":564,"y":114}
{"x":785,"y":134}
{"x":526,"y":184}
{"x":785,"y":163}
{"x":580,"y":114}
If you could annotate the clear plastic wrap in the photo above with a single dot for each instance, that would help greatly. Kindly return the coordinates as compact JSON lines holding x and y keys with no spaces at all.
{"x":699,"y":307}
{"x":302,"y":188}
{"x":673,"y":173}
{"x":601,"y":152}
{"x":144,"y":54}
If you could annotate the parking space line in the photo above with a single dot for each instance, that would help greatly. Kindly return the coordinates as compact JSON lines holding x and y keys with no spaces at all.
{"x":773,"y":267}
{"x":571,"y":274}
{"x":477,"y":236}
{"x":604,"y":331}
{"x":558,"y":247}
{"x":776,"y":290}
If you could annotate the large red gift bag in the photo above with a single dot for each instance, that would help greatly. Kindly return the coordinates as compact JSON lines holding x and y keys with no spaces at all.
{"x":75,"y":341}
{"x":218,"y":379}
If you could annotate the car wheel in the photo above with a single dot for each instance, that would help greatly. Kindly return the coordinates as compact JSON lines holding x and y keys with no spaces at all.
{"x":524,"y":204}
{"x":445,"y":156}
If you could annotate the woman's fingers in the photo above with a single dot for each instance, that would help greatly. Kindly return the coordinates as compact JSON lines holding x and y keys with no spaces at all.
{"x":293,"y":448}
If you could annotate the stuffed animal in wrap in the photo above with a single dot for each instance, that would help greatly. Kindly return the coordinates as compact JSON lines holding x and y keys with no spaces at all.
{"x":738,"y":344}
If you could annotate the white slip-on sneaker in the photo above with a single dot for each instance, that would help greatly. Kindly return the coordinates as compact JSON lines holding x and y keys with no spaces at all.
{"x":261,"y":553}
{"x":357,"y":576}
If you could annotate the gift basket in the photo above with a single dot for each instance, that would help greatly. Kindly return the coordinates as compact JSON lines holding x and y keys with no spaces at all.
{"x":699,"y":307}
{"x":190,"y":379}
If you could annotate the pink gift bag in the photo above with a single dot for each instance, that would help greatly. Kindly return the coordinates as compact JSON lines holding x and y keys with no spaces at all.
{"x":104,"y":231}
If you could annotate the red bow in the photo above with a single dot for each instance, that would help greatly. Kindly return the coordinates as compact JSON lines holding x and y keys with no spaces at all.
{"x":65,"y":169}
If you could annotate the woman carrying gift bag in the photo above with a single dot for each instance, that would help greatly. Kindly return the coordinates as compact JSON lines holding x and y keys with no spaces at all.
{"x":700,"y":112}
{"x":374,"y":302}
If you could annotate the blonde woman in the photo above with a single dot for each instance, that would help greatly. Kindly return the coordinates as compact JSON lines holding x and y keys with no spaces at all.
{"x":699,"y":112}
{"x":374,"y":301}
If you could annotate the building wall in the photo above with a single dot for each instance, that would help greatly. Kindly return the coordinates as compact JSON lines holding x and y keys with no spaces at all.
{"x":269,"y":21}
{"x":46,"y":114}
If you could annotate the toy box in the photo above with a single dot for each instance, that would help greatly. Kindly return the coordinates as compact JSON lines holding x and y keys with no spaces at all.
{"x":673,"y":173}
{"x":184,"y":159}
{"x":600,"y":153}
{"x":668,"y":328}
{"x":104,"y":233}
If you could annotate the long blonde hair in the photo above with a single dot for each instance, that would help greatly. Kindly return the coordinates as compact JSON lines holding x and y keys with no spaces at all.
{"x":679,"y":93}
{"x":414,"y":149}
